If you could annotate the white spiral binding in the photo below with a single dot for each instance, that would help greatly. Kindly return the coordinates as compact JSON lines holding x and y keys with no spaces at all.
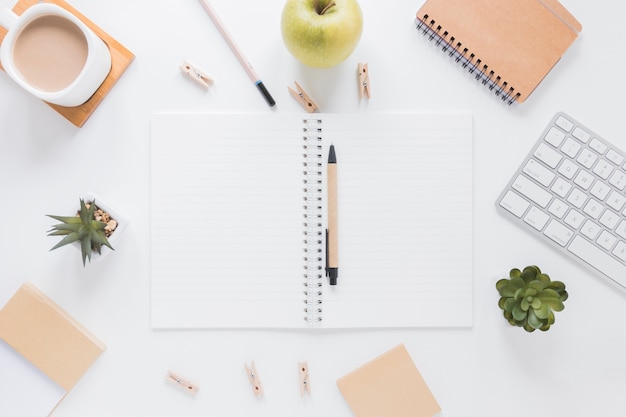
{"x":467,"y":59}
{"x":313,"y":227}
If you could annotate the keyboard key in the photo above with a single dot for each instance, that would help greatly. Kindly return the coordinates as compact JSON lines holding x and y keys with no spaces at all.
{"x":514,"y":203}
{"x":606,"y":240}
{"x":574,"y":219}
{"x":568,"y":169}
{"x":571,"y":147}
{"x":548,"y":156}
{"x":603,"y":169}
{"x":577,"y":198}
{"x":536,"y":218}
{"x":614,"y":157}
{"x":593,"y":208}
{"x":609,"y":219}
{"x":597,"y":146}
{"x":558,"y":232}
{"x":562,"y":187}
{"x":587,"y":158}
{"x":558,"y":208}
{"x":581,"y":135}
{"x":583,"y":179}
{"x":538,"y":172}
{"x":555,"y":137}
{"x":564,"y":123}
{"x":621,"y":229}
{"x":618,"y":180}
{"x":598,"y":259}
{"x":616,"y":201}
{"x":620,"y":250}
{"x":600,"y":190}
{"x":590,"y":229}
{"x":531,"y":190}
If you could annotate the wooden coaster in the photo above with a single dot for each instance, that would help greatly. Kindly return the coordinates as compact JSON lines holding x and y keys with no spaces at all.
{"x":120,"y":60}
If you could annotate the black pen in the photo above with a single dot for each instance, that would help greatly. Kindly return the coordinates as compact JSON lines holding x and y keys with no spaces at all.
{"x":332,"y":247}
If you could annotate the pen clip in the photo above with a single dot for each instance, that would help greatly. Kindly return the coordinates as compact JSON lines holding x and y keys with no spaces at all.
{"x":327,"y":266}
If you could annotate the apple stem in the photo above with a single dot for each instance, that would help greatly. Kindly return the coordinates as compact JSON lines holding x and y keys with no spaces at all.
{"x":325,"y":9}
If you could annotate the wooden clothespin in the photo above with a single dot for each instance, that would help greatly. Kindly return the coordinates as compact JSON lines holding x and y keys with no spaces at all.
{"x":303,"y":98}
{"x":305,"y":385}
{"x":364,"y":81}
{"x":181,"y":383}
{"x":254,"y":379}
{"x":197,"y":75}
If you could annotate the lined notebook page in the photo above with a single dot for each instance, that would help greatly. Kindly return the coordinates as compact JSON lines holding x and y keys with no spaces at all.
{"x":227,"y":220}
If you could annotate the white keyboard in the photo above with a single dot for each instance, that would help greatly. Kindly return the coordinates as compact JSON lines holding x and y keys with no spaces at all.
{"x":569,"y":191}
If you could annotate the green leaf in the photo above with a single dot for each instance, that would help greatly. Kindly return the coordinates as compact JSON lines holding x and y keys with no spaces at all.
{"x":529,"y":273}
{"x":537,"y":285}
{"x":533,"y":320}
{"x":97,"y":225}
{"x":100,"y":238}
{"x":518,"y":313}
{"x":85,"y":248}
{"x":501,"y":285}
{"x":71,"y":227}
{"x":525,"y":305}
{"x":531,"y":292}
{"x":510,"y":304}
{"x":557,"y":286}
{"x":86,"y":214}
{"x":543,"y":311}
{"x":66,"y":219}
{"x":549,"y":293}
{"x":553,"y":303}
{"x":72,"y":237}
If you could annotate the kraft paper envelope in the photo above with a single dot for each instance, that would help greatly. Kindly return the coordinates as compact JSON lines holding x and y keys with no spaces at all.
{"x":388,"y":386}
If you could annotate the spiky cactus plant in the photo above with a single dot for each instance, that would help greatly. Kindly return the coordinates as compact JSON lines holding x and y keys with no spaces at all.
{"x":529,"y":298}
{"x":83,"y":228}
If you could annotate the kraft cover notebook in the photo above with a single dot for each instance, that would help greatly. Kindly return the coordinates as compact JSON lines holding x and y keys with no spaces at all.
{"x":508,"y":45}
{"x":43,"y":353}
{"x":238,"y":220}
{"x":388,"y":385}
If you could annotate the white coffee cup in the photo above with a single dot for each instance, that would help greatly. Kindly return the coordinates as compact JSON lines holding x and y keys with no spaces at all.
{"x":53,"y":55}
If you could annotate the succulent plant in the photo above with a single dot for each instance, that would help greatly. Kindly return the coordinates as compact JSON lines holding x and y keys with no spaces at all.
{"x":529,"y":298}
{"x":83,"y":228}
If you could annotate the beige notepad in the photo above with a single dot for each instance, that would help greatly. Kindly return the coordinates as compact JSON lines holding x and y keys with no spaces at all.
{"x":510,"y":45}
{"x":389,"y":385}
{"x":43,"y":334}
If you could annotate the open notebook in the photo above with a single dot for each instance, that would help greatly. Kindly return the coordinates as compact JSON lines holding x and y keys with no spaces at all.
{"x":238,"y":216}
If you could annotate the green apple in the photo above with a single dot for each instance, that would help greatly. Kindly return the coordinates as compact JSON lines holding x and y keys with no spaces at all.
{"x":321,"y":33}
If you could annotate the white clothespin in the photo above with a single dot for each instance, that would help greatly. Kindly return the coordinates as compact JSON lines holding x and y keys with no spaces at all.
{"x":305,"y":385}
{"x":303,"y":98}
{"x":254,"y":379}
{"x":197,"y":75}
{"x":181,"y":383}
{"x":364,"y":81}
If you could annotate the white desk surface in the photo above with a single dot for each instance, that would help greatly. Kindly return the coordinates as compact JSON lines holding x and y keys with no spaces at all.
{"x":578,"y":368}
